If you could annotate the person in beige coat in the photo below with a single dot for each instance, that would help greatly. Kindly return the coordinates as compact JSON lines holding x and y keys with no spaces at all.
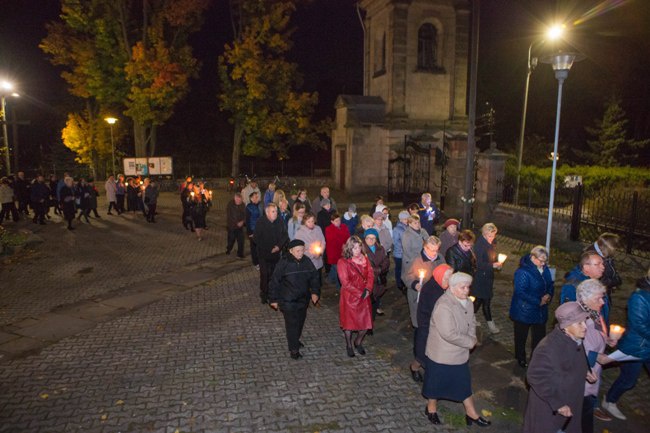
{"x":452,"y":334}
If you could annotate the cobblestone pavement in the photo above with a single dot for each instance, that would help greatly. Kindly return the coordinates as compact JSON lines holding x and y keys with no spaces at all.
{"x":209,"y":358}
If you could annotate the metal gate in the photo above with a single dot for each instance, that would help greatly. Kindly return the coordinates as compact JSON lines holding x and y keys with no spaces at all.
{"x":409,"y":174}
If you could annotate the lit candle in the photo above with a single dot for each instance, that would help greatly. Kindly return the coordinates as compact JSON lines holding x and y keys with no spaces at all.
{"x":502,"y":258}
{"x":192,"y":194}
{"x":317,"y":249}
{"x":472,"y":298}
{"x":421,"y":273}
{"x":616,"y":331}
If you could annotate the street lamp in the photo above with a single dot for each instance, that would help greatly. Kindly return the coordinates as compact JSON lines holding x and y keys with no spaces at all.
{"x":553,"y":33}
{"x":111,"y":121}
{"x":6,"y":88}
{"x":561,"y":62}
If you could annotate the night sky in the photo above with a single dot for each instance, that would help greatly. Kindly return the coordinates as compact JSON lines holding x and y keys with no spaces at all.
{"x":328,"y":48}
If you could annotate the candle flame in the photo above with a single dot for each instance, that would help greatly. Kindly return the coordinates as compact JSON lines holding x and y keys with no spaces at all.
{"x":502,"y":258}
{"x":472,"y":298}
{"x":421,"y":273}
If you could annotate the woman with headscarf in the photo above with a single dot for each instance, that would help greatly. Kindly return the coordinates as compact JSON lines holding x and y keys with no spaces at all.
{"x":429,"y":295}
{"x":357,"y":282}
{"x":452,"y":334}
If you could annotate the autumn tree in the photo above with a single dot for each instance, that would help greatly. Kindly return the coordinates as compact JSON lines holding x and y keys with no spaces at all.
{"x":129,"y":54}
{"x":85,"y":134}
{"x":611,"y":145}
{"x":259,"y":87}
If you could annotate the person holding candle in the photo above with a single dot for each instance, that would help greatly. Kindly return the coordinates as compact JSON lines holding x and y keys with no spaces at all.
{"x":635,"y":342}
{"x":380,"y":263}
{"x":293,"y":283}
{"x":429,"y":295}
{"x":132,"y":196}
{"x":357,"y":282}
{"x":314,"y":240}
{"x":486,"y":263}
{"x":336,"y":235}
{"x":416,"y":278}
{"x":590,"y":294}
{"x":199,"y":209}
{"x":533,"y":291}
{"x":452,"y":334}
{"x":556,"y":375}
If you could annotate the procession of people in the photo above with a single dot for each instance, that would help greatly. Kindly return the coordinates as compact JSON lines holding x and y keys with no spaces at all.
{"x":302,"y":247}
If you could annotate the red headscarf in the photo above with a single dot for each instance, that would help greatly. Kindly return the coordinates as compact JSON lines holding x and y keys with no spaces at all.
{"x":439,"y":272}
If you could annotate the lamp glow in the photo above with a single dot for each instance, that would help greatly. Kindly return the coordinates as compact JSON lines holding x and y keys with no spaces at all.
{"x":555,"y":32}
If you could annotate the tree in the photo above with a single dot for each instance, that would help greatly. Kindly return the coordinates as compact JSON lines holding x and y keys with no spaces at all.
{"x":610,"y":146}
{"x":130,"y":54}
{"x":259,"y":86}
{"x":85,"y":134}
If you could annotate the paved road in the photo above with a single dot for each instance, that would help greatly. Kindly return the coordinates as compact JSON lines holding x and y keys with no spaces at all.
{"x":133,"y":327}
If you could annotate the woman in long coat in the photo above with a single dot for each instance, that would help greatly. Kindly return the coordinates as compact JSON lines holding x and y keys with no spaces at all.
{"x":486,"y":262}
{"x":357,"y":281}
{"x":67,"y":197}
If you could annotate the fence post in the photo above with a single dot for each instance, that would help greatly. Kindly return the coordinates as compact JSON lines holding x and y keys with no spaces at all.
{"x":577,"y":212}
{"x":631,"y":225}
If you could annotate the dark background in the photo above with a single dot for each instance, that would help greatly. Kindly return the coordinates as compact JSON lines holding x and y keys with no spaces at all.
{"x":328,"y":46}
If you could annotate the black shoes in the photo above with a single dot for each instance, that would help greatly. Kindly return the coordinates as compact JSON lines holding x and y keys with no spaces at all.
{"x":350,"y":351}
{"x":360,"y":349}
{"x":522,"y":363}
{"x":296,"y":355}
{"x":433,"y":417}
{"x":416,"y":375}
{"x":480,"y":421}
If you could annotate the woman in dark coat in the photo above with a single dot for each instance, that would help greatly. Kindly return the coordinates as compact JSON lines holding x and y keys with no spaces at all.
{"x":486,"y":262}
{"x":131,"y":195}
{"x":380,"y":264}
{"x":357,"y":282}
{"x":533,"y":291}
{"x":557,"y":375}
{"x":67,"y":196}
{"x":83,"y":197}
{"x":460,"y":255}
{"x":198,"y":210}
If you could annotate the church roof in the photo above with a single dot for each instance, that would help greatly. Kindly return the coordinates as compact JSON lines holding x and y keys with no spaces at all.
{"x":362,"y":110}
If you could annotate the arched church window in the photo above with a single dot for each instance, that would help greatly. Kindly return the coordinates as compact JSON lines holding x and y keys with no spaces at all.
{"x":380,"y":55}
{"x":427,"y":47}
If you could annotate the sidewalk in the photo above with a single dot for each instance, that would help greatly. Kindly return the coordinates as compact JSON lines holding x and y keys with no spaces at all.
{"x":170,"y":336}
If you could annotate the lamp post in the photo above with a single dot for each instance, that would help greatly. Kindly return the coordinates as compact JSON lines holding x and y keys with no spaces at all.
{"x":553,"y":33}
{"x":561,"y":62}
{"x":5,"y":87}
{"x":111,"y":121}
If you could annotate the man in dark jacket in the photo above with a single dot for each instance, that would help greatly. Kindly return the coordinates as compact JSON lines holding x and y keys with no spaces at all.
{"x":270,"y":237}
{"x":21,"y":188}
{"x":253,"y":213}
{"x":591,"y":266}
{"x":294,"y":281}
{"x":235,"y":220}
{"x":429,"y":214}
{"x":151,"y":199}
{"x":39,"y":195}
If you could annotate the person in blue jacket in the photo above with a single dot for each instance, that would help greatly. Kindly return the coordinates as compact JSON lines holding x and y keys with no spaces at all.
{"x":635,"y":342}
{"x":533,"y":291}
{"x":591,"y":266}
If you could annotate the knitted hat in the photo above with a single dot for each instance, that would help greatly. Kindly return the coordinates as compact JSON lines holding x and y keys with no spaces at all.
{"x":439,"y":272}
{"x":295,"y":243}
{"x":372,"y":232}
{"x":451,"y":221}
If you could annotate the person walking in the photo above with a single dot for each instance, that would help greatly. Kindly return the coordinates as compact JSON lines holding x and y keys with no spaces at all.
{"x":429,"y":214}
{"x":111,"y":194}
{"x":449,"y":237}
{"x":7,"y":199}
{"x":380,"y":263}
{"x":452,"y":334}
{"x":270,"y":237}
{"x":120,"y":192}
{"x":533,"y":291}
{"x":293,"y":283}
{"x":398,"y":232}
{"x":357,"y":282}
{"x":21,"y":189}
{"x":253,"y":213}
{"x":461,"y":256}
{"x":67,"y":200}
{"x":39,"y":195}
{"x":336,"y":235}
{"x":296,"y":220}
{"x":351,"y":219}
{"x":235,"y":220}
{"x":606,"y":246}
{"x":198,"y":212}
{"x":131,"y":195}
{"x":314,"y":241}
{"x":412,"y":241}
{"x":486,"y":263}
{"x":591,"y":266}
{"x":151,"y":193}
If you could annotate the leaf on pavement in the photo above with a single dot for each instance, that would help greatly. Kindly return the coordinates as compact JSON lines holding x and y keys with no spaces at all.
{"x":104,"y":417}
{"x":119,"y":402}
{"x":486,"y":412}
{"x":44,"y":395}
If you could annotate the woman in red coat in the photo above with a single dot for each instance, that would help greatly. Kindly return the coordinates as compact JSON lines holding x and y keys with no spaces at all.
{"x":357,"y":280}
{"x":335,"y":237}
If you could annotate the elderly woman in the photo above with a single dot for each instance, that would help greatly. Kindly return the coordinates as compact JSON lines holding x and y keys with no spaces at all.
{"x":412,"y":240}
{"x":486,"y":262}
{"x":357,"y":281}
{"x":449,"y":237}
{"x":590,"y":294}
{"x":380,"y":263}
{"x":460,"y":256}
{"x":452,"y":334}
{"x":533,"y":290}
{"x":314,"y":241}
{"x":429,"y":295}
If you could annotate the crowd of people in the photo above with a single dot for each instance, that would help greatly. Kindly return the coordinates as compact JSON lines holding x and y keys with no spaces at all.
{"x":298,"y":245}
{"x":75,"y":197}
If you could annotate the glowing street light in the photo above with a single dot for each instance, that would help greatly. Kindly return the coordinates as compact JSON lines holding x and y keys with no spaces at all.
{"x":561,"y":62}
{"x":112,"y":121}
{"x":553,"y":33}
{"x":6,"y":88}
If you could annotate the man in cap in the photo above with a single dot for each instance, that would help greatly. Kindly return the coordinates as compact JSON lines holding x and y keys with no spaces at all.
{"x":294,"y":282}
{"x":556,"y":375}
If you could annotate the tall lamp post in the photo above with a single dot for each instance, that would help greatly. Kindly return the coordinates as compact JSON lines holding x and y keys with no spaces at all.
{"x":561,"y":63}
{"x":111,"y":121}
{"x":552,"y":33}
{"x":5,"y":87}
